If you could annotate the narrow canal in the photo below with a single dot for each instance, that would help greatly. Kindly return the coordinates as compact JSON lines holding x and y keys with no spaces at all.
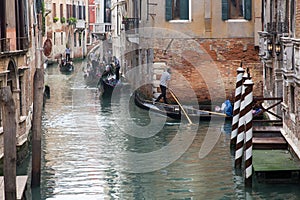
{"x":93,"y":150}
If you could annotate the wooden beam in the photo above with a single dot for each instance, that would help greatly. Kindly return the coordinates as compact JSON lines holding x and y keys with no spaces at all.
{"x":37,"y":126}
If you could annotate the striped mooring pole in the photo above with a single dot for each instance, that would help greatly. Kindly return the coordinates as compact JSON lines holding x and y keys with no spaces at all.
{"x":236,"y":106}
{"x":248,"y":103}
{"x":241,"y":128}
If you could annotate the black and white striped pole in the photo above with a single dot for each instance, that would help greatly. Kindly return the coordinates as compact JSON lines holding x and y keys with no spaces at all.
{"x":236,"y":106}
{"x":248,"y":103}
{"x":241,"y":128}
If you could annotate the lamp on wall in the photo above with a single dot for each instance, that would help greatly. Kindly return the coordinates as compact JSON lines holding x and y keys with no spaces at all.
{"x":270,"y":47}
{"x":277,"y":48}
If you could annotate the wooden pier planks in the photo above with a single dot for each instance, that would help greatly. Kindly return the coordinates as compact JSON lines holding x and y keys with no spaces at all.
{"x":274,"y":160}
{"x":276,"y":166}
{"x":269,"y":143}
{"x":268,"y":137}
{"x":21,"y":186}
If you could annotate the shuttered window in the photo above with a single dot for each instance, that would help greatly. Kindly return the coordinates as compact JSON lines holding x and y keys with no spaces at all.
{"x":177,"y":10}
{"x":236,"y":9}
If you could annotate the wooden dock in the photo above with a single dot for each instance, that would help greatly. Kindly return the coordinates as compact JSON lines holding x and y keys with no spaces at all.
{"x":21,"y":187}
{"x":272,"y":160}
{"x":276,"y":166}
{"x":268,"y":137}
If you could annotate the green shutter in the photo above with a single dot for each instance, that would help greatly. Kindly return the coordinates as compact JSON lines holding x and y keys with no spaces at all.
{"x":248,"y":9}
{"x":225,"y":9}
{"x":168,"y":10}
{"x":184,"y":9}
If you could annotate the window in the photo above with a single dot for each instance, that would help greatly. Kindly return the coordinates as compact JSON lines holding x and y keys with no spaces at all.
{"x":292,"y":99}
{"x":80,"y":12}
{"x":74,"y":11}
{"x":21,"y":94}
{"x":61,"y":11}
{"x":79,"y":39}
{"x":236,"y":9}
{"x":84,"y":13}
{"x":107,"y":13}
{"x":62,"y":38}
{"x":292,"y":16}
{"x":54,"y":38}
{"x":69,"y":11}
{"x":53,"y":10}
{"x":177,"y":10}
{"x":75,"y":39}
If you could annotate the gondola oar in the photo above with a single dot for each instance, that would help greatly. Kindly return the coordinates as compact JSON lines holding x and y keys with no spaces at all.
{"x":173,"y":95}
{"x":211,"y":112}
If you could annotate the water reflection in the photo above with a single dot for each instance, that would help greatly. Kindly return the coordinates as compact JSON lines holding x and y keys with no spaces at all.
{"x":85,"y":152}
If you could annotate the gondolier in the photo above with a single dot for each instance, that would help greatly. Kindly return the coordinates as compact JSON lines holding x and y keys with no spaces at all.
{"x":164,"y":80}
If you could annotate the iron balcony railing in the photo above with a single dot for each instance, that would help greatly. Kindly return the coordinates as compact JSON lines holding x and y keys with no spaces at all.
{"x":23,"y":43}
{"x":102,"y":28}
{"x":4,"y":44}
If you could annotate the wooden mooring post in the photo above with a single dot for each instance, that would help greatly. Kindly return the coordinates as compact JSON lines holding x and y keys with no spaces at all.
{"x":9,"y":129}
{"x":248,"y":102}
{"x":37,"y":127}
{"x":236,"y":106}
{"x":38,"y":98}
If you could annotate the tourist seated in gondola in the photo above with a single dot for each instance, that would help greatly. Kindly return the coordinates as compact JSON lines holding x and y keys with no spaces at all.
{"x":108,"y":72}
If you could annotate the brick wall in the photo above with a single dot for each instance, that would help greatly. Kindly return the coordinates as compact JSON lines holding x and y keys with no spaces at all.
{"x":209,"y":67}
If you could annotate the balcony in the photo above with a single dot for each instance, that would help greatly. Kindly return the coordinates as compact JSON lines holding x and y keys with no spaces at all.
{"x":80,"y":24}
{"x":100,"y":28}
{"x":7,"y":45}
{"x":4,"y":44}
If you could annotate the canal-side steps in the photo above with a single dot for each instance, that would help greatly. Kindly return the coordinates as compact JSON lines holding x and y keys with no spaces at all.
{"x":272,"y":160}
{"x":21,"y":187}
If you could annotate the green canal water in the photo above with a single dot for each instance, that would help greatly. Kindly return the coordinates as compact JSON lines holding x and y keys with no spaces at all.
{"x":95,"y":148}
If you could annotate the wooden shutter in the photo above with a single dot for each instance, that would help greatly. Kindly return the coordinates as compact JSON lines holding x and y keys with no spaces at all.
{"x":184,"y":9}
{"x":169,"y":10}
{"x":225,"y":9}
{"x":248,"y":9}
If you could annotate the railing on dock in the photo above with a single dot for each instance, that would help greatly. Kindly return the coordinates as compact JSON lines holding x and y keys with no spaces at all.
{"x":258,"y":102}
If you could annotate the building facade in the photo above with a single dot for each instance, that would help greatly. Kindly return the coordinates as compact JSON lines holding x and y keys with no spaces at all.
{"x":66,"y":26}
{"x":191,"y":37}
{"x":18,"y":60}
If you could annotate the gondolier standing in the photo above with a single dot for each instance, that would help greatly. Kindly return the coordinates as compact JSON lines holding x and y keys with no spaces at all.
{"x":164,"y":80}
{"x":68,"y":52}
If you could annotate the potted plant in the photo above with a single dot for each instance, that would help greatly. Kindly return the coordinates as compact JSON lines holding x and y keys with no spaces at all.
{"x":72,"y":21}
{"x":62,"y":20}
{"x":55,"y":19}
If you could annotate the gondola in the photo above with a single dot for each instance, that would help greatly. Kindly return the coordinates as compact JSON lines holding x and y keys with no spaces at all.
{"x":172,"y":111}
{"x":175,"y":111}
{"x":108,"y":85}
{"x":65,"y":66}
